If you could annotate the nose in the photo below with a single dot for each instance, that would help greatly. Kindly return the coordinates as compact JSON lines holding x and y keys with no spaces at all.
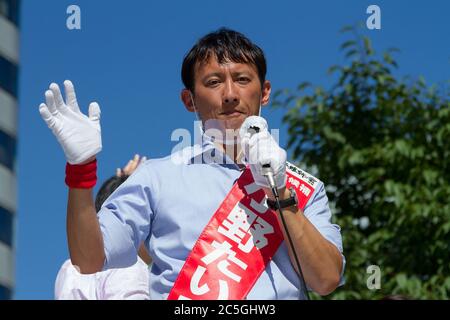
{"x":230,"y":94}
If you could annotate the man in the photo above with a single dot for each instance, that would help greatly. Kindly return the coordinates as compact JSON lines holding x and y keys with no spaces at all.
{"x":113,"y":284}
{"x":203,"y":219}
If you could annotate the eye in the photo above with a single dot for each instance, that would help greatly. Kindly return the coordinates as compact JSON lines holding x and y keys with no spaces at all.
{"x":212,"y":82}
{"x":243,"y":80}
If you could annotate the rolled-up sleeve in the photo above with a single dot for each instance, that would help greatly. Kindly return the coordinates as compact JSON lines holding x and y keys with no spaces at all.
{"x":125,"y":219}
{"x":318,"y":213}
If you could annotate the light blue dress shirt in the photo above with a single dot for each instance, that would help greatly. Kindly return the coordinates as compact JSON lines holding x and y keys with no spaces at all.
{"x":167,"y":203}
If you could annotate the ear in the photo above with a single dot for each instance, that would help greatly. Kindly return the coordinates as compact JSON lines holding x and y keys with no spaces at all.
{"x":187,"y":101}
{"x":265,"y":96}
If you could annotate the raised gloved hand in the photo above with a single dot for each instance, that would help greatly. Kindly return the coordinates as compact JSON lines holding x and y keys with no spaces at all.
{"x":261,"y":148}
{"x":78,"y":135}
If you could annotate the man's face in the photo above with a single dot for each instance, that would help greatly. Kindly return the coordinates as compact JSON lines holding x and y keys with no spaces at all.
{"x":229,"y":92}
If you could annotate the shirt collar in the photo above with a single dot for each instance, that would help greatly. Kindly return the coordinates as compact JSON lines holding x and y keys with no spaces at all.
{"x":209,"y":153}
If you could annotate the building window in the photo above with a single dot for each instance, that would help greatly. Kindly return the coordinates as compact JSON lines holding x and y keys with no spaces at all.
{"x":6,"y":226}
{"x":10,"y":9}
{"x":5,"y":293}
{"x":7,"y":150}
{"x":8,"y":76}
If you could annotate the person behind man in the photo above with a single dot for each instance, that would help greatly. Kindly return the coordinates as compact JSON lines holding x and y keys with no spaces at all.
{"x":202,"y":212}
{"x":130,"y":283}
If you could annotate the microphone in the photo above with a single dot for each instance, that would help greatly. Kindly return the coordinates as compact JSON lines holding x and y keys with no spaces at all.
{"x":253,"y":125}
{"x":268,"y":173}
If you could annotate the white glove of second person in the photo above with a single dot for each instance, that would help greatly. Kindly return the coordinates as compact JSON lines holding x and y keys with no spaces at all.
{"x":261,"y":148}
{"x":78,"y":135}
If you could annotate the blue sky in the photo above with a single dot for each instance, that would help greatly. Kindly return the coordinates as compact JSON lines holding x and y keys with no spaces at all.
{"x":128,"y":57}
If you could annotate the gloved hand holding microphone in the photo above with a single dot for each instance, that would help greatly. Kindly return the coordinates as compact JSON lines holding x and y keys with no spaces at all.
{"x":79,"y":135}
{"x":266,"y":158}
{"x":263,"y":153}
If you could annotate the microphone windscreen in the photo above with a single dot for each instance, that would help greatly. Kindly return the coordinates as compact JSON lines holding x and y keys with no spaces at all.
{"x":251,"y":124}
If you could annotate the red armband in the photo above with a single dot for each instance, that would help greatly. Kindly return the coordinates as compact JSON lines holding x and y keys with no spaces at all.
{"x":81,"y":176}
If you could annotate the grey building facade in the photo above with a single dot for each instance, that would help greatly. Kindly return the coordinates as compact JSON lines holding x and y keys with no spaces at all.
{"x":9,"y":66}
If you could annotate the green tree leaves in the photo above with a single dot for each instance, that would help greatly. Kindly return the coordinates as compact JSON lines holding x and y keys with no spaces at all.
{"x":381,"y":144}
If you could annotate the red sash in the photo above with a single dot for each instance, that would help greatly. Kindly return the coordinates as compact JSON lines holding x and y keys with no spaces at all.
{"x":238,"y":242}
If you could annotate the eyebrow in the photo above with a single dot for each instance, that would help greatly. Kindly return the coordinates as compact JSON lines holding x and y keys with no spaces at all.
{"x":220,"y":74}
{"x":212,"y":74}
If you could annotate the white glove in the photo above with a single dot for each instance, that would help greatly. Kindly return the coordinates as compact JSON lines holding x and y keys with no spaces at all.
{"x":78,"y":135}
{"x":261,"y":148}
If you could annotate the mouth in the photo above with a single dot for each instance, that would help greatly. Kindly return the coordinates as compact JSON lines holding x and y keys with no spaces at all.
{"x":231,"y":113}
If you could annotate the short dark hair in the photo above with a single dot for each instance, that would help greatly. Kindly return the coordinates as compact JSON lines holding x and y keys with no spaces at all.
{"x":225,"y":45}
{"x":108,"y":187}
